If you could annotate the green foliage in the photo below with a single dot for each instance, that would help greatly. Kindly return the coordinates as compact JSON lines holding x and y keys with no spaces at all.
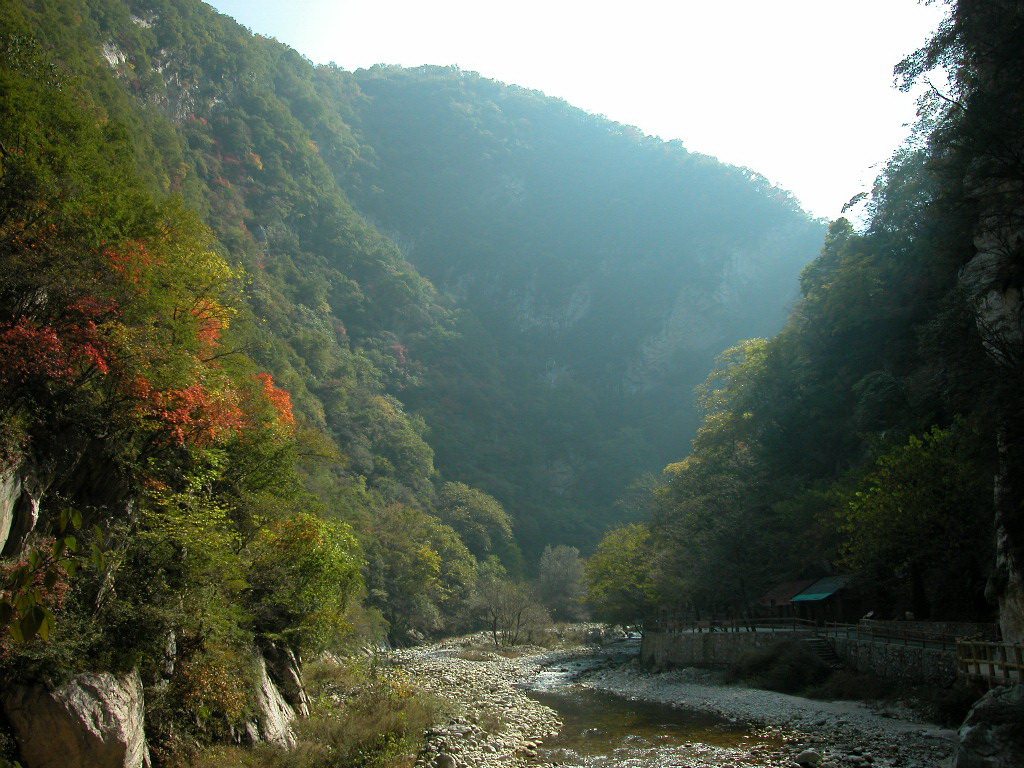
{"x":619,"y":586}
{"x":918,"y":520}
{"x":858,"y":429}
{"x":561,"y":582}
{"x":305,"y":573}
{"x":419,"y":573}
{"x":480,"y":520}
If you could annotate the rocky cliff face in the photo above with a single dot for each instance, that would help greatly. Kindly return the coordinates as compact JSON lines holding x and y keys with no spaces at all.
{"x":989,"y":278}
{"x":91,"y":721}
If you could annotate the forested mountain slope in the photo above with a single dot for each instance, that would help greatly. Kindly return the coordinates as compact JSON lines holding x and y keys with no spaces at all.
{"x":159,"y":160}
{"x":604,"y":269}
{"x":588,"y":274}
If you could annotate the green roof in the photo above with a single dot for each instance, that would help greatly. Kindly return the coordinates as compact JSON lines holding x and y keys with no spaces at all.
{"x":822,"y":589}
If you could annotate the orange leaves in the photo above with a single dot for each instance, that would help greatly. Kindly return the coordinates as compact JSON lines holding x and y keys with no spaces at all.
{"x":193,"y":415}
{"x":130,"y":259}
{"x":281,"y":399}
{"x":211,"y":320}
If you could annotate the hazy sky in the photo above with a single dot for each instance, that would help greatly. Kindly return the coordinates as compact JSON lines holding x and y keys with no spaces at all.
{"x":799,"y":90}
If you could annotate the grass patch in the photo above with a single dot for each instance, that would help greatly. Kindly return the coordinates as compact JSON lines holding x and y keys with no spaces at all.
{"x":364,"y":715}
{"x":475,"y":655}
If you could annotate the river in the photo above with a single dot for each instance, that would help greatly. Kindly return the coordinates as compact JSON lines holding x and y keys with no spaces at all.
{"x":602,"y":730}
{"x":590,"y":708}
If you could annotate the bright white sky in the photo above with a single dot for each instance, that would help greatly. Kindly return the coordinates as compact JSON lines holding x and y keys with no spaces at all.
{"x":798,"y":90}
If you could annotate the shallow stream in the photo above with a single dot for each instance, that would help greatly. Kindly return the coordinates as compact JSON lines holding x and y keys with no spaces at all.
{"x":601,"y":730}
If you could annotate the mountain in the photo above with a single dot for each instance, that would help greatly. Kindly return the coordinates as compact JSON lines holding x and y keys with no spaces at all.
{"x":438,"y":279}
{"x":602,"y":271}
{"x":543,"y":287}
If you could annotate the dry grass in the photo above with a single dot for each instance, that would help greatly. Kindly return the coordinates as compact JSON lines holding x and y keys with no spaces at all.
{"x":365,"y":715}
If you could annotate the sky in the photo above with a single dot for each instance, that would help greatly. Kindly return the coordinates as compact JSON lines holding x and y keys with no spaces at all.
{"x":799,"y":90}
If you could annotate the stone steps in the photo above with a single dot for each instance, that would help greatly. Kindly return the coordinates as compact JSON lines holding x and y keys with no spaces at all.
{"x":823,"y":650}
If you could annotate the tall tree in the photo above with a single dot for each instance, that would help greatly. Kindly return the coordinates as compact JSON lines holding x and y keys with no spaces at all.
{"x":978,"y":131}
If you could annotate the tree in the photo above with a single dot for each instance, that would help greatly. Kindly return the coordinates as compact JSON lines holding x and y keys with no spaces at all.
{"x":508,"y":608}
{"x":305,"y":573}
{"x":480,"y":520}
{"x":561,"y":582}
{"x":620,"y":589}
{"x":916,"y":526}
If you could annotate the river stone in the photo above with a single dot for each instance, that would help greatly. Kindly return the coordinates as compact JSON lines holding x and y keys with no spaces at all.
{"x":808,"y":757}
{"x":91,"y":721}
{"x":444,"y":760}
{"x":992,"y":735}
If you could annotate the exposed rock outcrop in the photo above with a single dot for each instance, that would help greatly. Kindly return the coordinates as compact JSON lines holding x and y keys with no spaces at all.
{"x":91,"y":721}
{"x":992,"y":736}
{"x":285,"y":670}
{"x":275,"y":714}
{"x":21,"y":493}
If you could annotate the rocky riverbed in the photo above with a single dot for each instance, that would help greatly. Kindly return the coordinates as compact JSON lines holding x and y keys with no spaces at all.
{"x":496,"y":722}
{"x":845,"y":734}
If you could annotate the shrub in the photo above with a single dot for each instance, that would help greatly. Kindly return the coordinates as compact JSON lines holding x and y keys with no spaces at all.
{"x":787,"y":667}
{"x":851,"y":686}
{"x":304,"y":575}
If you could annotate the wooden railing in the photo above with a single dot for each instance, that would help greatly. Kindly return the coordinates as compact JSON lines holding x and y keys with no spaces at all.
{"x":908,"y":637}
{"x":905,"y":637}
{"x":994,"y":663}
{"x":730,"y":625}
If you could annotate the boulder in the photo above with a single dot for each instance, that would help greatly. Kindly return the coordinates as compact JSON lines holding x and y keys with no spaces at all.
{"x":992,"y":735}
{"x":808,"y":757}
{"x":276,"y":714}
{"x":91,"y":721}
{"x":21,"y":494}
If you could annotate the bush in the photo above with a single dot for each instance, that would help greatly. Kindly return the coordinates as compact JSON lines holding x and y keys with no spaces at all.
{"x":852,"y":686}
{"x":945,"y":706}
{"x":787,"y":667}
{"x":364,"y":715}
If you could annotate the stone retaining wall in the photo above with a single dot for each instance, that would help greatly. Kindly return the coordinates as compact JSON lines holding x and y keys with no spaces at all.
{"x":704,"y":649}
{"x":906,"y":664}
{"x":955,"y":628}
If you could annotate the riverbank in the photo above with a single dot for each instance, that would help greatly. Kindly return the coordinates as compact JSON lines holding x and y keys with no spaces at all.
{"x":494,"y":722}
{"x":845,"y":733}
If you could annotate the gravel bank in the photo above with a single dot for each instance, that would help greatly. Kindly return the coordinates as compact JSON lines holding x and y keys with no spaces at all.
{"x":846,"y":734}
{"x":497,"y":724}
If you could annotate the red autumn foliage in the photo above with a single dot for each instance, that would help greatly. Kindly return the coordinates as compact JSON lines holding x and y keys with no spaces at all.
{"x":281,"y":399}
{"x":64,"y":352}
{"x":130,"y":259}
{"x":211,"y":323}
{"x":192,"y":415}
